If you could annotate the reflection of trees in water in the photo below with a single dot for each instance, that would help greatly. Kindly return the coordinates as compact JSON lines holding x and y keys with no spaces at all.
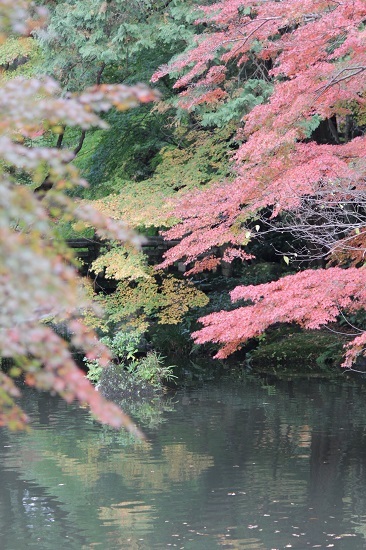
{"x":132,"y":520}
{"x":30,"y":517}
{"x":149,"y":413}
{"x":298,"y":448}
{"x":294,"y":454}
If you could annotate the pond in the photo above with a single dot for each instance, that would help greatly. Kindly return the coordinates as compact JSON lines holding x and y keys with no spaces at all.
{"x":242,"y":465}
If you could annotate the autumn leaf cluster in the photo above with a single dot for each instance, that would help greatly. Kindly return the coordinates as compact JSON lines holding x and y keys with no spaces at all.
{"x":312,"y":54}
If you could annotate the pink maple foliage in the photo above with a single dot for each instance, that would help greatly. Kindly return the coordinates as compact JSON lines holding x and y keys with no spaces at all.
{"x":311,"y":299}
{"x":315,"y":57}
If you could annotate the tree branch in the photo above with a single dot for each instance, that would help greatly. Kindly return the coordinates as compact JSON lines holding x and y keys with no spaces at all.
{"x":81,"y":142}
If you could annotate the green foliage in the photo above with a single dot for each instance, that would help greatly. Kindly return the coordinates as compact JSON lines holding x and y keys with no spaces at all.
{"x":199,"y":157}
{"x":15,"y":48}
{"x":151,"y":369}
{"x":125,"y":347}
{"x":69,"y":230}
{"x":126,"y":152}
{"x":286,"y":349}
{"x":19,"y":56}
{"x":242,"y":100}
{"x":194,"y":158}
{"x":163,"y":299}
{"x":128,"y":39}
{"x":84,"y":157}
{"x":172,"y":339}
{"x":128,"y":42}
{"x":310,"y":124}
{"x":94,"y":371}
{"x":355,"y":321}
{"x":121,"y":262}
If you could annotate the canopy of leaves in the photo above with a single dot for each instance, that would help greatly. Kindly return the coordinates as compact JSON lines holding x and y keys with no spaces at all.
{"x":310,"y":298}
{"x":154,"y":296}
{"x":196,"y":158}
{"x":126,"y":40}
{"x":312,"y":55}
{"x":127,"y":151}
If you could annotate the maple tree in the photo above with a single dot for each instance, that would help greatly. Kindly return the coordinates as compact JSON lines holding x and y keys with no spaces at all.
{"x":38,"y":276}
{"x":152,"y":296}
{"x":302,"y":150}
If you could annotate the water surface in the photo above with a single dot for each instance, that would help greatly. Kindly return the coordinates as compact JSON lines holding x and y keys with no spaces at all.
{"x":242,"y":465}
